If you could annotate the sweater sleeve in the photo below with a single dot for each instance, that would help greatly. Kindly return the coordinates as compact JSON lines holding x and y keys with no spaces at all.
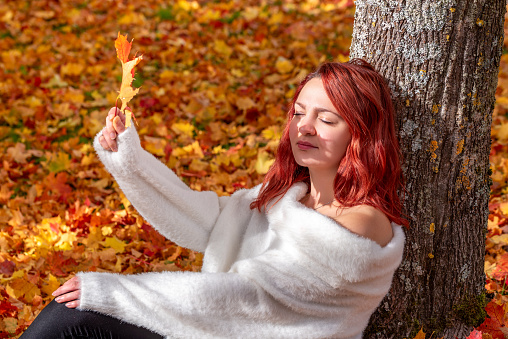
{"x":190,"y":304}
{"x":170,"y":206}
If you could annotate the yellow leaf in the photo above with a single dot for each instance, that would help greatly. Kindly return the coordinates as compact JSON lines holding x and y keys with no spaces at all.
{"x":192,"y":149}
{"x":183,"y":128}
{"x":126,"y":91}
{"x":198,"y":165}
{"x":276,"y":18}
{"x":283,"y":65}
{"x":209,"y":15}
{"x":155,"y":145}
{"x":500,"y":239}
{"x":502,"y":100}
{"x":59,"y":163}
{"x":106,"y":230}
{"x":220,"y":47}
{"x":502,"y":132}
{"x":72,"y":69}
{"x":132,"y":18}
{"x":250,"y":13}
{"x":237,"y":73}
{"x":66,"y":241}
{"x":271,"y":133}
{"x":33,"y":102}
{"x":74,"y":96}
{"x":22,"y":288}
{"x":263,"y":162}
{"x":51,"y":285}
{"x":114,"y":243}
{"x":504,"y":208}
{"x":244,"y":103}
{"x":94,"y":238}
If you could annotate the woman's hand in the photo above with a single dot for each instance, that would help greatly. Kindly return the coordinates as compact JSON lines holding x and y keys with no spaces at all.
{"x":69,"y":293}
{"x":115,"y":124}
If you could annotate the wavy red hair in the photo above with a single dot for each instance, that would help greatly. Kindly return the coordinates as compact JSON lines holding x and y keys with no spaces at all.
{"x":370,"y":172}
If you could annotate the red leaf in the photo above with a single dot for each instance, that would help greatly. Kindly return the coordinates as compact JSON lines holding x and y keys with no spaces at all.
{"x":495,"y":321}
{"x":7,"y":309}
{"x":475,"y":335}
{"x":7,"y":267}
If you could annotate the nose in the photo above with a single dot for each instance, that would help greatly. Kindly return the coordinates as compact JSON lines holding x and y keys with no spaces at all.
{"x":306,"y":126}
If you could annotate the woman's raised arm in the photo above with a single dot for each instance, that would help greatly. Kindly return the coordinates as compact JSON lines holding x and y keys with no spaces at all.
{"x":170,"y":206}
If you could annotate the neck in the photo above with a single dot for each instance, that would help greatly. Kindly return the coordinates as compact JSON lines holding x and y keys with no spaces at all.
{"x":321,"y":188}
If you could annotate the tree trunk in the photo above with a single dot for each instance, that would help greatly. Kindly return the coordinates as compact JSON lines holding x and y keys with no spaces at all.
{"x":441,"y":59}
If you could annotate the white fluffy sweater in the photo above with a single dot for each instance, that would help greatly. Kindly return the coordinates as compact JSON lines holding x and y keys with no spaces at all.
{"x":288,"y":273}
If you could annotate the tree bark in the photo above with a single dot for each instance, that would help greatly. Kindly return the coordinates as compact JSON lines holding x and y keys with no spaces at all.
{"x":441,"y":59}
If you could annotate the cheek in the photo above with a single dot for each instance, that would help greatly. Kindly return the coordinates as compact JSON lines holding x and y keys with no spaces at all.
{"x":337,"y":139}
{"x":293,"y":130}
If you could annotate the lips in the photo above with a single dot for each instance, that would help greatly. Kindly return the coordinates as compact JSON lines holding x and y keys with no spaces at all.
{"x":304,"y":145}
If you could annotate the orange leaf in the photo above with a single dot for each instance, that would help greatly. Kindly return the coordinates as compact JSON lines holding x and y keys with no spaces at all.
{"x":123,"y":47}
{"x":420,"y":335}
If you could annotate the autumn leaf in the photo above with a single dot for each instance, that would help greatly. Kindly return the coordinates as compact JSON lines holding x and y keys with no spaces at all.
{"x":211,"y":65}
{"x":123,"y":48}
{"x":263,"y":162}
{"x":475,"y":335}
{"x":114,"y":243}
{"x":495,"y":321}
{"x":22,"y":289}
{"x":420,"y":335}
{"x":126,"y":93}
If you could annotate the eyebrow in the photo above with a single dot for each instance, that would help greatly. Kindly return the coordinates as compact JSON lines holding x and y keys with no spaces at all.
{"x":319,"y":109}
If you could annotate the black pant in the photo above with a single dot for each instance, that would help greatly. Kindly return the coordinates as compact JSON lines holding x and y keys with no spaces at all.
{"x":59,"y":322}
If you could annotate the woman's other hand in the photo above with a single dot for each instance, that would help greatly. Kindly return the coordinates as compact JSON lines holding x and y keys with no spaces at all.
{"x":115,"y":124}
{"x":68,"y":293}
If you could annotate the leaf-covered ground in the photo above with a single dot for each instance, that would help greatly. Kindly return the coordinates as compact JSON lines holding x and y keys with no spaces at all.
{"x":215,"y":81}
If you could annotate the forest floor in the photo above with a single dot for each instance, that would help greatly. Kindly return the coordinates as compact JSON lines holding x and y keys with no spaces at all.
{"x":214,"y":86}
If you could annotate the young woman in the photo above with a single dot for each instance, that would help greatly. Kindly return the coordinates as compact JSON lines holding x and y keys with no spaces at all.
{"x":310,"y":253}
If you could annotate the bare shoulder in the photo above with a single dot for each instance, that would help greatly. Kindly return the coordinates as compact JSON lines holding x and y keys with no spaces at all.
{"x":368,"y":222}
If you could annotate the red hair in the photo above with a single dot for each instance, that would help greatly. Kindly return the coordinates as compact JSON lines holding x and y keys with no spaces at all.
{"x":370,"y":171}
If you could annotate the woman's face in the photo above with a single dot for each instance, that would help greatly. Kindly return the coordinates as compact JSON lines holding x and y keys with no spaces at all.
{"x":318,"y":134}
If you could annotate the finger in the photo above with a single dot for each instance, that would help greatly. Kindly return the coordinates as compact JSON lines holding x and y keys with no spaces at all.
{"x":109,"y":134}
{"x":69,"y":286}
{"x":104,"y":144}
{"x":111,"y":142}
{"x":118,"y":125}
{"x":111,"y":113}
{"x":67,"y":297}
{"x":110,"y":131}
{"x":122,"y":115}
{"x":73,"y":304}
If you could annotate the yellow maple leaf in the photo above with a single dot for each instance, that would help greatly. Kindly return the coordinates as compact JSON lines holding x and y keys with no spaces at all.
{"x":283,"y":65}
{"x":183,"y":128}
{"x":502,"y":132}
{"x":114,"y":243}
{"x":263,"y":162}
{"x":126,"y":92}
{"x":51,"y":285}
{"x":221,"y":48}
{"x":244,"y":103}
{"x":22,"y":288}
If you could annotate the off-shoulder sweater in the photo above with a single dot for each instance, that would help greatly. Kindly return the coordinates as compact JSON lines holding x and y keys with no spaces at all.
{"x":288,"y":272}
